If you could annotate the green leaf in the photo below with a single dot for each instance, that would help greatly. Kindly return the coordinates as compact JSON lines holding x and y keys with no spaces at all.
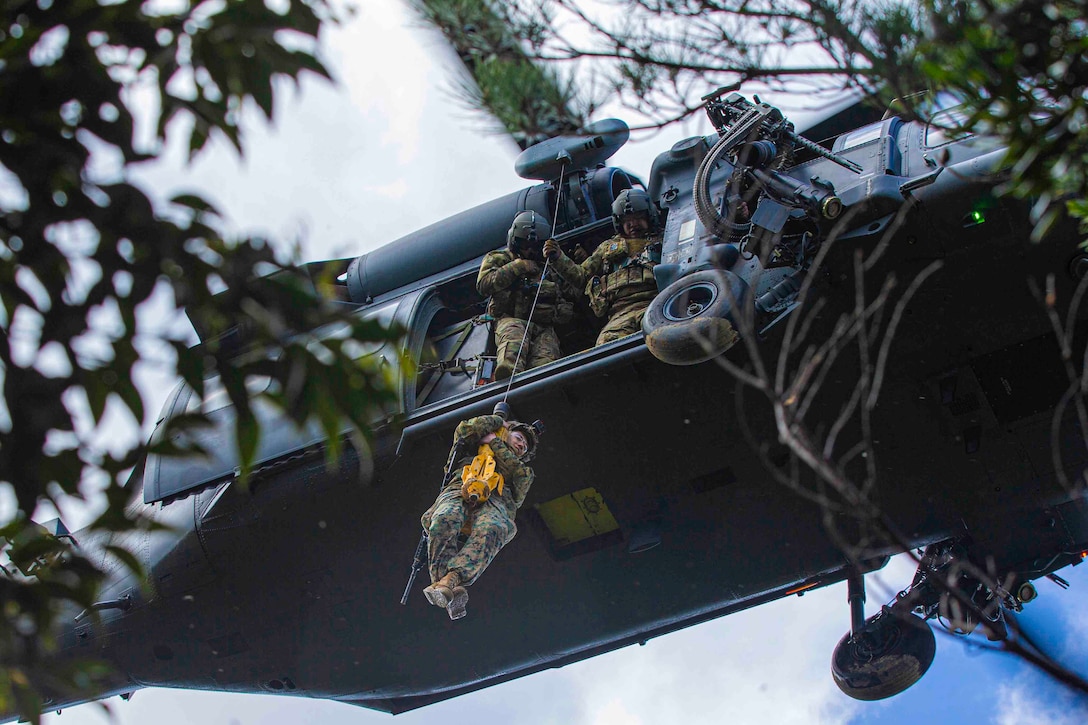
{"x":248,"y":432}
{"x":97,"y":393}
{"x":194,"y":202}
{"x":49,"y":113}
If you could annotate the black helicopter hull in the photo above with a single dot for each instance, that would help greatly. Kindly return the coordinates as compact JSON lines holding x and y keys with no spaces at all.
{"x":295,"y":585}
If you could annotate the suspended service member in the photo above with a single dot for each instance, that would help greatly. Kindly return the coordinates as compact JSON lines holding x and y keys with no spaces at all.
{"x":511,"y":277}
{"x":473,"y":498}
{"x":618,"y":278}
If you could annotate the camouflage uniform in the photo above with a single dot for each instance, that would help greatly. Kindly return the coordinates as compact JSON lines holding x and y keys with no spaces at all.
{"x":512,"y":297}
{"x":618,"y":279}
{"x":492,"y":522}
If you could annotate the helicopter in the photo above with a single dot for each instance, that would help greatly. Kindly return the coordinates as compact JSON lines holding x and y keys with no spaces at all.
{"x":973,"y":473}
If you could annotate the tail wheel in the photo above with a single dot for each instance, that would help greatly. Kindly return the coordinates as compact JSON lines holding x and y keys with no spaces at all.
{"x":889,"y":655}
{"x":690,"y":322}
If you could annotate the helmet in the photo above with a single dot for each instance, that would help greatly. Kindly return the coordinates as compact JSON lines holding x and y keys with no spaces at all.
{"x":633,"y":201}
{"x":527,"y":234}
{"x":531,"y":436}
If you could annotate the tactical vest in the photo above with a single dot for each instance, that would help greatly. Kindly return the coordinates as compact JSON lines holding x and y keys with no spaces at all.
{"x":624,"y":278}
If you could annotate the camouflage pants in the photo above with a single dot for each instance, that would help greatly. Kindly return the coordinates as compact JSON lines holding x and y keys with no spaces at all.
{"x":623,"y":323}
{"x":542,"y":346}
{"x":492,"y":529}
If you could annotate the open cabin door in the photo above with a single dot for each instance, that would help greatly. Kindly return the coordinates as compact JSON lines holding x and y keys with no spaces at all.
{"x":449,"y":344}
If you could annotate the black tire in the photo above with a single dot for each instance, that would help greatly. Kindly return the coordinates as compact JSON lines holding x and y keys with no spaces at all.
{"x":691,"y":320}
{"x":888,"y":656}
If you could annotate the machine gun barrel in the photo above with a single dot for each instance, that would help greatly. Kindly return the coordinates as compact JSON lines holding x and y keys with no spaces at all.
{"x":822,"y":152}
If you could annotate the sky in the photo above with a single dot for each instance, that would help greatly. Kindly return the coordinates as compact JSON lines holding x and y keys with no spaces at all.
{"x":388,"y":149}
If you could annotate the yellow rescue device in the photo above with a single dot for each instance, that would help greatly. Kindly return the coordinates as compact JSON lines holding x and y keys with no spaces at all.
{"x":479,"y":478}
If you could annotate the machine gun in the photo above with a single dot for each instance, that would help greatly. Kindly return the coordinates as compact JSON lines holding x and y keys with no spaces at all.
{"x":755,"y":142}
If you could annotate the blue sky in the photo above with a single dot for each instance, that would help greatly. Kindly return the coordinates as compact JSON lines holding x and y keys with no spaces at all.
{"x":969,"y":682}
{"x":346,"y":169}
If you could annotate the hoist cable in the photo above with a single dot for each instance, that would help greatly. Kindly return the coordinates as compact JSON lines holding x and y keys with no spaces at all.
{"x":565,"y":159}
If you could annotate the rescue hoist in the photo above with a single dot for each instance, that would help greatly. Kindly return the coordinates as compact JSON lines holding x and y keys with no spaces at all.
{"x":479,"y":478}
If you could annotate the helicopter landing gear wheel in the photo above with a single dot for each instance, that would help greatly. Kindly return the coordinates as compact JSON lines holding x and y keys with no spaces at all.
{"x":889,"y":655}
{"x":688,"y":322}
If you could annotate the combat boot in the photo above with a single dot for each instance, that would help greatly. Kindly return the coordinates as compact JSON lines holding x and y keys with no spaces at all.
{"x":458,"y":606}
{"x":440,"y":593}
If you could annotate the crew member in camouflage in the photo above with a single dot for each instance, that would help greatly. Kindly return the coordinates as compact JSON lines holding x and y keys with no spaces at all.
{"x":618,"y":278}
{"x":454,"y":568}
{"x":510,"y":277}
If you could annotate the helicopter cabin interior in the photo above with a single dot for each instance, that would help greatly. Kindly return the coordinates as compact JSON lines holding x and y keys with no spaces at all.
{"x":457,"y":353}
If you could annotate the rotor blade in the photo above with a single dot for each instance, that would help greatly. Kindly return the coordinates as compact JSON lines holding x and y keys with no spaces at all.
{"x":529,"y":102}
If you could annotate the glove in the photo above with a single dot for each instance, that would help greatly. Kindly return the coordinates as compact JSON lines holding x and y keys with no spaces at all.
{"x":525,"y":267}
{"x":552,"y":249}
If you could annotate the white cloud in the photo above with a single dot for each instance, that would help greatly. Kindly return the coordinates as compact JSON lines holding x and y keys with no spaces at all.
{"x":396,"y":189}
{"x":1076,"y":626}
{"x":336,"y":156}
{"x":768,"y":664}
{"x":616,"y":712}
{"x":383,"y":68}
{"x":1018,"y":704}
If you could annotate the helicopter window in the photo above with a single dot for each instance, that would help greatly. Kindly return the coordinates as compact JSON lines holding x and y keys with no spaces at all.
{"x":454,"y":357}
{"x":384,"y":317}
{"x":944,"y":127}
{"x":861,"y":136}
{"x":216,"y":397}
{"x":687,"y":231}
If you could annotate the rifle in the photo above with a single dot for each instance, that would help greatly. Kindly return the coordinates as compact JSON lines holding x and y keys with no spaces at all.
{"x":418,"y":562}
{"x":420,"y":559}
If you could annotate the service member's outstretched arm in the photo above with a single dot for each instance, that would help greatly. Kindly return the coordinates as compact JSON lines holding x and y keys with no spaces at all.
{"x":578,"y":274}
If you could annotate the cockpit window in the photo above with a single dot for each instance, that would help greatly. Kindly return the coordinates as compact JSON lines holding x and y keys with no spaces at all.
{"x":216,"y":397}
{"x":861,"y":136}
{"x":945,"y":127}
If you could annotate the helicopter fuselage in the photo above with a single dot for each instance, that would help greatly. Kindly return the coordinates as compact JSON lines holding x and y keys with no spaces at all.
{"x":653,"y":508}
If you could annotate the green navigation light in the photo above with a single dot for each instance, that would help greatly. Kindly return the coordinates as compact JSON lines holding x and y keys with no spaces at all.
{"x":973,"y":219}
